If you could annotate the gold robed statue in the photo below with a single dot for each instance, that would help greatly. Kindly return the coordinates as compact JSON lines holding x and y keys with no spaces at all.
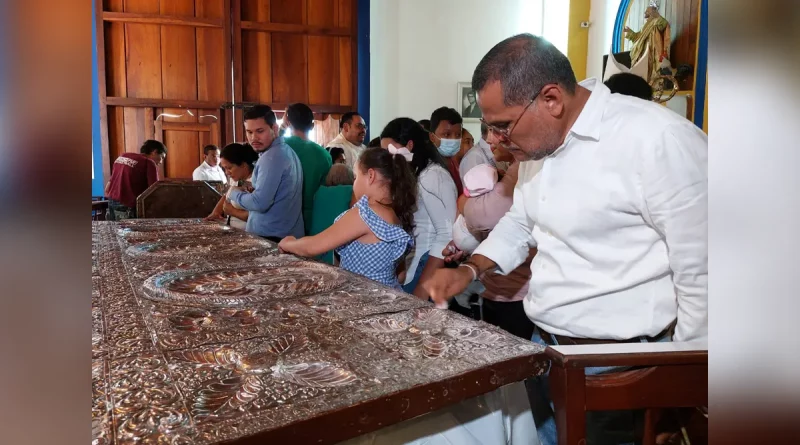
{"x":655,"y":37}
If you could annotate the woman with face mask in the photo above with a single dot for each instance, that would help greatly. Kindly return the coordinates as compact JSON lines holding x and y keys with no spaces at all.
{"x":446,"y":129}
{"x":436,"y":200}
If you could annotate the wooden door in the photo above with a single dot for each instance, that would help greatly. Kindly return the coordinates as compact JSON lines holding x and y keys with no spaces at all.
{"x":287,"y":51}
{"x":163,"y":61}
{"x":187,"y":135}
{"x":187,"y":59}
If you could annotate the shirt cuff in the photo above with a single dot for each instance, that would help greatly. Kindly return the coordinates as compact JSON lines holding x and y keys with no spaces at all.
{"x":234,"y":197}
{"x":506,"y":257}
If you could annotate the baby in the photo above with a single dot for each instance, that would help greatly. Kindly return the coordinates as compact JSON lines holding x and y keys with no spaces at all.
{"x":478,"y":181}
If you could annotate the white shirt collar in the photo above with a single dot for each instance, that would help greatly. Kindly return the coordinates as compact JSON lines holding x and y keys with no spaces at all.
{"x":588,"y":123}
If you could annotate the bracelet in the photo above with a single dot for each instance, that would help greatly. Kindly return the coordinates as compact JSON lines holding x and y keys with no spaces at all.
{"x":472,"y":268}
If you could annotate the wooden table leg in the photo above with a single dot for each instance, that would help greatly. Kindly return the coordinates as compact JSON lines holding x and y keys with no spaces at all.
{"x":567,"y":389}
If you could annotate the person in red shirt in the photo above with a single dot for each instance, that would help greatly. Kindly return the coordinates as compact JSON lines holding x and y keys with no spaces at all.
{"x":132,"y":174}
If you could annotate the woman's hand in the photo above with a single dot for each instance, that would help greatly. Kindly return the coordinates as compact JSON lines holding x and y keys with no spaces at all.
{"x":285,"y":245}
{"x":227,"y":207}
{"x":214,"y":216}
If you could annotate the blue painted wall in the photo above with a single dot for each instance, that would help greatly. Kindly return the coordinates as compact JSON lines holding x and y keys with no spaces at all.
{"x":363,"y":62}
{"x":702,"y":66}
{"x":97,"y":156}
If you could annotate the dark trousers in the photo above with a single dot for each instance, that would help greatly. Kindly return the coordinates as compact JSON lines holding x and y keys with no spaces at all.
{"x":274,"y":239}
{"x":509,"y":316}
{"x":117,"y":211}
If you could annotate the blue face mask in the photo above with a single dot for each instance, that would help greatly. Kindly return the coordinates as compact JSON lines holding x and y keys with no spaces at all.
{"x":449,"y":147}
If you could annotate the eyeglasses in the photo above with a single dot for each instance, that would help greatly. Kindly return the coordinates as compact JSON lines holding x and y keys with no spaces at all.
{"x":505,"y":133}
{"x":361,"y":127}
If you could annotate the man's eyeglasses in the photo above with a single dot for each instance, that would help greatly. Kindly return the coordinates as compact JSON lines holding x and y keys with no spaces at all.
{"x":361,"y":127}
{"x":505,"y":133}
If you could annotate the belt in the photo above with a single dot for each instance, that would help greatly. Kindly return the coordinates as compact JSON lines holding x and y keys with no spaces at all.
{"x":564,"y":340}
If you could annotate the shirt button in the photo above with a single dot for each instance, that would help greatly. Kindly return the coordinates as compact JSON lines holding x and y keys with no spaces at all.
{"x":544,"y":198}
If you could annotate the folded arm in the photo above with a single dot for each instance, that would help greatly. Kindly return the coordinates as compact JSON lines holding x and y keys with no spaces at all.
{"x":265,"y":189}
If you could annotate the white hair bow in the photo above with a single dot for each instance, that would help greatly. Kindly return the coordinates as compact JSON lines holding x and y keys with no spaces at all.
{"x":654,"y":4}
{"x":402,"y":151}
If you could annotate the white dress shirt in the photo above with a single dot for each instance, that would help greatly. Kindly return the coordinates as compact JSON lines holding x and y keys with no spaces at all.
{"x":436,"y":212}
{"x":619,"y":214}
{"x":206,"y":172}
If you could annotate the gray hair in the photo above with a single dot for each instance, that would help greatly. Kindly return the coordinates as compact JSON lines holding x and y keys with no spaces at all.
{"x":524,"y":64}
{"x":339,"y":174}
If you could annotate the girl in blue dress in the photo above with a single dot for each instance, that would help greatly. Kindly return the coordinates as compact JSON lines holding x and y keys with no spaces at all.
{"x":375,"y":234}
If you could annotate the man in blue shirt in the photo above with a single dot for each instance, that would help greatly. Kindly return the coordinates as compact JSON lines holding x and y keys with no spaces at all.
{"x":276,"y":202}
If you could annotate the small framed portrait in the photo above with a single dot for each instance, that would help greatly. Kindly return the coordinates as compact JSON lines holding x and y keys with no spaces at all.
{"x":468,"y":102}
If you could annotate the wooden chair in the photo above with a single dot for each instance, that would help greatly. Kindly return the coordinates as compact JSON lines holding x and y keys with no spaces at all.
{"x":665,"y":375}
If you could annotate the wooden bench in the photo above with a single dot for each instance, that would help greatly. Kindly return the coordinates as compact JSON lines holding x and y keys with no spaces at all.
{"x":664,"y":375}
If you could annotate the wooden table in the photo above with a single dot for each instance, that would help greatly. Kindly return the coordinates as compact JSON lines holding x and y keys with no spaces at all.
{"x":664,"y":375}
{"x":204,"y":334}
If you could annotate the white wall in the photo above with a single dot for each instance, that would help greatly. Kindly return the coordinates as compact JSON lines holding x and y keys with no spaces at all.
{"x":602,"y":16}
{"x":420,"y":50}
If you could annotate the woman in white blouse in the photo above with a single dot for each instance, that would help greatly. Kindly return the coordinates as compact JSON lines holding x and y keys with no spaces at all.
{"x":436,"y":202}
{"x":238,"y":161}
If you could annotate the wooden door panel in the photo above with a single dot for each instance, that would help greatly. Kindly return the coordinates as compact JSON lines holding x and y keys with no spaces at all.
{"x":289,"y":77}
{"x":323,"y":13}
{"x":288,"y":11}
{"x":257,"y":66}
{"x":347,"y":80}
{"x":213,"y":81}
{"x":323,"y":70}
{"x":165,"y":55}
{"x":178,"y":53}
{"x":185,"y":132}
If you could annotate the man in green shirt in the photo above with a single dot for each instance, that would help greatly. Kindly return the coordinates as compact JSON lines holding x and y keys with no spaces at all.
{"x":315,"y":161}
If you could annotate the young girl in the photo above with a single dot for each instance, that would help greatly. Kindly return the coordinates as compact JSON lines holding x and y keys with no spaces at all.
{"x":372,"y":237}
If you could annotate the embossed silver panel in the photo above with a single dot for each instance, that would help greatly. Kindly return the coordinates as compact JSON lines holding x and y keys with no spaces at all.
{"x":202,"y":335}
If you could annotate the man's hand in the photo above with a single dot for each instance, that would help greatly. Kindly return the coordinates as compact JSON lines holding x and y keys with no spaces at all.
{"x":447,"y":283}
{"x":452,"y":254}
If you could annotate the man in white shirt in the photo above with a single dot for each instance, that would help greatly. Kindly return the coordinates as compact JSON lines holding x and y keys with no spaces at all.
{"x":210,"y":170}
{"x":618,"y":210}
{"x":352,"y":131}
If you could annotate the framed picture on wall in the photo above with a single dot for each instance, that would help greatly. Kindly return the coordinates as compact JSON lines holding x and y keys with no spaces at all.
{"x":467,"y":102}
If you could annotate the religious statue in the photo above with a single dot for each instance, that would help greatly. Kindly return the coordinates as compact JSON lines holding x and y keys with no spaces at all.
{"x":652,"y":41}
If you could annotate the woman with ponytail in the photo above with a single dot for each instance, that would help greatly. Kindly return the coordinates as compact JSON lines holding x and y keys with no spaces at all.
{"x":372,"y":237}
{"x":436,"y":202}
